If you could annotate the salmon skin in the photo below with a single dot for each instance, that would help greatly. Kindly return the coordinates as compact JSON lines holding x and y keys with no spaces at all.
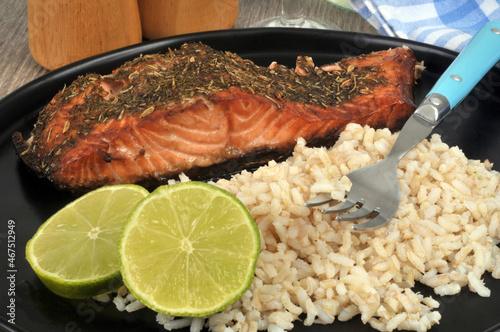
{"x":194,"y":109}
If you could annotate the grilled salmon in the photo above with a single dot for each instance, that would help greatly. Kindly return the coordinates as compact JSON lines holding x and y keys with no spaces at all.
{"x":196,"y":109}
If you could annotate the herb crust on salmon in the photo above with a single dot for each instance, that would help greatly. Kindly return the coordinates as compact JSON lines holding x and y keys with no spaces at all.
{"x":194,"y":109}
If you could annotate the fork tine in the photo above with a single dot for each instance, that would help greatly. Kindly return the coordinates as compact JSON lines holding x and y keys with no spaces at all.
{"x":359,"y":213}
{"x":348,"y":204}
{"x":378,"y":221}
{"x":319,"y":200}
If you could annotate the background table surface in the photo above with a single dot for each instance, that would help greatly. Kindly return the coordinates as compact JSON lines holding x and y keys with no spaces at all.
{"x":17,"y":67}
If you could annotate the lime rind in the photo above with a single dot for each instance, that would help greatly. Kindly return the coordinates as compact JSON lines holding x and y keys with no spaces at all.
{"x":73,"y":289}
{"x":174,"y":292}
{"x":60,"y":239}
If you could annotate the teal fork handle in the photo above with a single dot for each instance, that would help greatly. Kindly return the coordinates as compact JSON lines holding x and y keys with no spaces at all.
{"x":477,"y":58}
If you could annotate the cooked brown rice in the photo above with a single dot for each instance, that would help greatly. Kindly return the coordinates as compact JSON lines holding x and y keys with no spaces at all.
{"x":443,"y":235}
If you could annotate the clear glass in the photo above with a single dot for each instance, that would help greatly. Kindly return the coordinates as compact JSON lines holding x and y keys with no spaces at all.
{"x":292,"y":16}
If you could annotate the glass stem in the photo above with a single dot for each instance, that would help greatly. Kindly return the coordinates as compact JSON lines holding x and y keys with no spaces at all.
{"x":292,"y":12}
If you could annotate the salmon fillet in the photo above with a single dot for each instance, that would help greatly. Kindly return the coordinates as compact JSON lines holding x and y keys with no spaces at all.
{"x":196,"y":109}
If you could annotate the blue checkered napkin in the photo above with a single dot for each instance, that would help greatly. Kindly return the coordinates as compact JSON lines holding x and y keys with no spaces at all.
{"x":446,"y":23}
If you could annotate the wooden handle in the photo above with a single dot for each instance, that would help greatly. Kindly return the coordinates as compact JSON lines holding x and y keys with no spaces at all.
{"x":61,"y":32}
{"x":163,"y":18}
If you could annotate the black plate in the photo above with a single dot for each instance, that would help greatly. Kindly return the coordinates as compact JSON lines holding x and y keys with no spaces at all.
{"x":26,"y":202}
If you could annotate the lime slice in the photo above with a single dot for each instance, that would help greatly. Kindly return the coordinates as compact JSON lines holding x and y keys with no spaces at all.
{"x":74,"y":253}
{"x":189,"y":249}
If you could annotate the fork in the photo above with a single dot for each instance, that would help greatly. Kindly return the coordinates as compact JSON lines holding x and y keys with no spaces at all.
{"x":375,"y":190}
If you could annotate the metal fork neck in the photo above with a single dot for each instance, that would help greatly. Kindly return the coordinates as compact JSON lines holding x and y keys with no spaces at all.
{"x":427,"y":116}
{"x":433,"y":109}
